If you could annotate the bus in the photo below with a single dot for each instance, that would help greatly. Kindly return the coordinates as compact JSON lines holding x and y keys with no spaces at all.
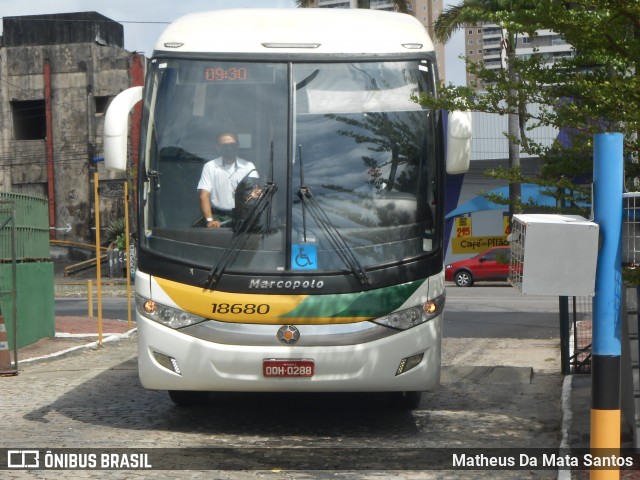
{"x":330,"y":279}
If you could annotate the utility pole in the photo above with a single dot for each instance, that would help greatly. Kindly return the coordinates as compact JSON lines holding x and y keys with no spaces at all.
{"x":608,"y":179}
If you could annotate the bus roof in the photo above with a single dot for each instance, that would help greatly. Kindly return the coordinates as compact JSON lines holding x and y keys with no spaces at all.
{"x":296,"y":30}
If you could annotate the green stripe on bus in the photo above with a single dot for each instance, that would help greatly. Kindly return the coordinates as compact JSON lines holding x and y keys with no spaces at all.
{"x":372,"y":303}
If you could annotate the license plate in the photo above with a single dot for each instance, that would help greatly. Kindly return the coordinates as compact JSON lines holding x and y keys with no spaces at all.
{"x":274,"y":367}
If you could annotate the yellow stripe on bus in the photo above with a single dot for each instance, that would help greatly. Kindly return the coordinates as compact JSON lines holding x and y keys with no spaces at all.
{"x":242,"y":307}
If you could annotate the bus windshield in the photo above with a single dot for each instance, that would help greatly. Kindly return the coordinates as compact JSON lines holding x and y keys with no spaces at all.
{"x":347,"y":158}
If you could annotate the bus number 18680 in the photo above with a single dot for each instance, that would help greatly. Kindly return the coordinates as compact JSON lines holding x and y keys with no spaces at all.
{"x":240,"y":308}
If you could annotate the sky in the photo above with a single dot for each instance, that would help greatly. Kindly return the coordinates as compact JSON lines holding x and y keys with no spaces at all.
{"x":144,"y":20}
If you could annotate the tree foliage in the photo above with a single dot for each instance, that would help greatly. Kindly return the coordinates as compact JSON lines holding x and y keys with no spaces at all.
{"x":595,"y":90}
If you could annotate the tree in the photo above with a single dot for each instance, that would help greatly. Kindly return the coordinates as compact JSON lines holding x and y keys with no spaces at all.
{"x":498,"y":12}
{"x":596,"y":89}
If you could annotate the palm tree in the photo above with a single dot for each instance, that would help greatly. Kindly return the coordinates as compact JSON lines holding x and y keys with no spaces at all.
{"x":401,"y":5}
{"x":481,"y":11}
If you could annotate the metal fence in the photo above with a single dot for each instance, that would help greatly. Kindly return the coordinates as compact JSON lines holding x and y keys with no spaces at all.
{"x":580,"y":324}
{"x":31,"y":228}
{"x":580,"y":308}
{"x":631,"y":230}
{"x":8,"y":284}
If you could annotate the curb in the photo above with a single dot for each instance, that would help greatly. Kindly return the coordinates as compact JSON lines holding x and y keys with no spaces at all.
{"x":113,"y":337}
{"x":567,"y":421}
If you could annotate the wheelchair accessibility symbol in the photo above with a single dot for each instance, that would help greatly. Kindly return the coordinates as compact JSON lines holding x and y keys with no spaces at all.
{"x":304,"y":257}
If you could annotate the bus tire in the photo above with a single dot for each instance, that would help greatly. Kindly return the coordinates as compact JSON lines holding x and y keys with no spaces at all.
{"x":187,"y":398}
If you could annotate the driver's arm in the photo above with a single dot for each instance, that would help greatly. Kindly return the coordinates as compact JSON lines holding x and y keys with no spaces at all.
{"x":205,"y":208}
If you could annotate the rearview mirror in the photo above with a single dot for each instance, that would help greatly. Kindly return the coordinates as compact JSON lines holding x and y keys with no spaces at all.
{"x":116,"y":128}
{"x":459,"y":132}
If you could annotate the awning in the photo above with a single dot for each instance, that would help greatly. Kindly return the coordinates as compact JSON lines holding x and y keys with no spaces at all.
{"x":530,"y":192}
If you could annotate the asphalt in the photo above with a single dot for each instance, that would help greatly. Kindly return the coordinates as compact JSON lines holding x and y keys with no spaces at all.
{"x":76,"y":333}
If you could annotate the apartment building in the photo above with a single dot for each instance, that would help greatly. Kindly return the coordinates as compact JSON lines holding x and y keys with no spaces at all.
{"x":373,"y":4}
{"x":484,"y":43}
{"x":427,"y":11}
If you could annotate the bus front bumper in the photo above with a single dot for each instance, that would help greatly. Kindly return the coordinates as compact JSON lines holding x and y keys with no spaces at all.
{"x":171,"y":360}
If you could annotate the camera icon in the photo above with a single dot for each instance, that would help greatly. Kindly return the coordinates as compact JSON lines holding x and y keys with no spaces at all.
{"x":23,"y":459}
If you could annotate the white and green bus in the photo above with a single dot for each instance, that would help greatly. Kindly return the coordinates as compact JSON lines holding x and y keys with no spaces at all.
{"x":332,"y":279}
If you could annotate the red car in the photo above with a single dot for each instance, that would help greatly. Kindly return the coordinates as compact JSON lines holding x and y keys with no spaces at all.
{"x":492,"y":264}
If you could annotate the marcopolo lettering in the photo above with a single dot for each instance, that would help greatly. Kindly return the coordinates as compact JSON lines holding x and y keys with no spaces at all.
{"x":263,"y":284}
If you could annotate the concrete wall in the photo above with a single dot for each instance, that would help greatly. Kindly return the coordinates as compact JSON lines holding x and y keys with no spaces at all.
{"x":79,"y":73}
{"x":55,"y":29}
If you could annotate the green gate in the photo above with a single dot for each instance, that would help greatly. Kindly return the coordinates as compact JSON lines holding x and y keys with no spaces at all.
{"x":26,"y":270}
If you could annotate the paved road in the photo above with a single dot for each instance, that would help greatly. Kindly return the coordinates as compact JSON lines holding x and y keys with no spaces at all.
{"x":114,"y":307}
{"x":500,"y":391}
{"x":94,"y":400}
{"x":495,"y":310}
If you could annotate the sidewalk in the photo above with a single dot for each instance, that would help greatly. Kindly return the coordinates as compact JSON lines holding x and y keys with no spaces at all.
{"x":576,"y":408}
{"x":73,"y":333}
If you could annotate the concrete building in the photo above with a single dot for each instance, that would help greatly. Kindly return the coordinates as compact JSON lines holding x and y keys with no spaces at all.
{"x":58,"y":74}
{"x":484,"y":42}
{"x":427,"y":11}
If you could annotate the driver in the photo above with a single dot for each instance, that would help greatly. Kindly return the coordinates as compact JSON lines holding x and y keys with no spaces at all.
{"x":220,"y":178}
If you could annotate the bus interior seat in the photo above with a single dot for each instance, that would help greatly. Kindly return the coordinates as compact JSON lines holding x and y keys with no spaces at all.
{"x":199,"y":138}
{"x":177,"y":203}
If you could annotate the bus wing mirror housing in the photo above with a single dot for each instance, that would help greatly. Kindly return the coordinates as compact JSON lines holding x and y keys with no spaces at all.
{"x":458,"y":142}
{"x":116,"y":128}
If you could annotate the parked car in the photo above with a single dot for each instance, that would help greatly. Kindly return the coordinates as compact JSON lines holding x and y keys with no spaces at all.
{"x":492,"y":264}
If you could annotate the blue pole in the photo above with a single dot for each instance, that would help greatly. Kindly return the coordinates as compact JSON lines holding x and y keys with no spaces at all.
{"x":608,"y":183}
{"x":605,"y":376}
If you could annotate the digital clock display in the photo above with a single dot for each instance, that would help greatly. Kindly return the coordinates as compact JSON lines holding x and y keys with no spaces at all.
{"x":231,"y":74}
{"x":247,"y":73}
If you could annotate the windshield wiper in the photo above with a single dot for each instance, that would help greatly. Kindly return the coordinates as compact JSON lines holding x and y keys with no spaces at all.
{"x":241,"y":235}
{"x":335,"y":239}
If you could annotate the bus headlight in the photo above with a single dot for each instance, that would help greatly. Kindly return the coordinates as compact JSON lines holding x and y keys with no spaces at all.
{"x":169,"y":316}
{"x":411,"y":317}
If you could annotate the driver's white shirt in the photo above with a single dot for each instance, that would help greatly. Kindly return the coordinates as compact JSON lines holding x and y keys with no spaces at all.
{"x":221,"y":180}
